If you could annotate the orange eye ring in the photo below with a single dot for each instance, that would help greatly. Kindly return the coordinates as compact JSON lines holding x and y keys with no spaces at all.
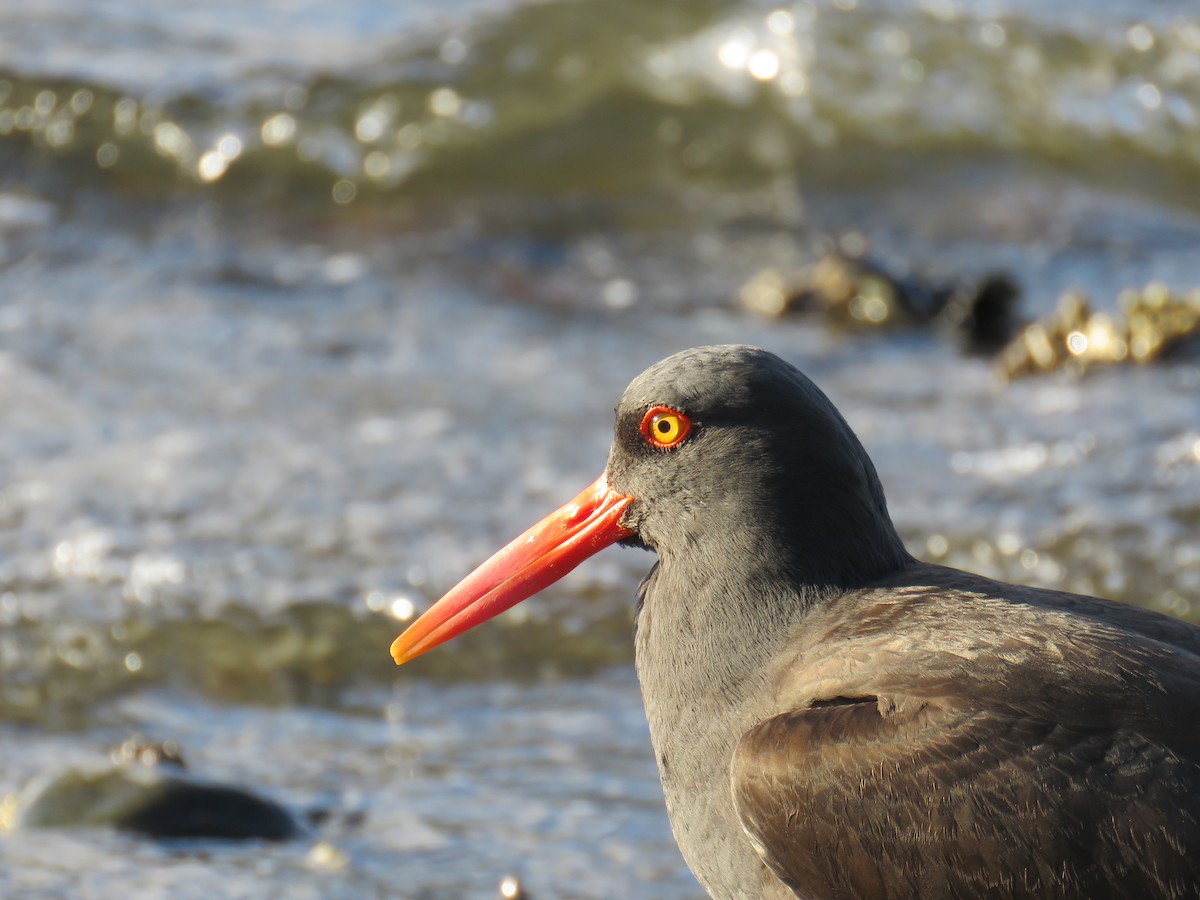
{"x":664,"y":428}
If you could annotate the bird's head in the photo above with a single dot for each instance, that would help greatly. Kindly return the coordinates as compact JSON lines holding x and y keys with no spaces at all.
{"x":722,"y":456}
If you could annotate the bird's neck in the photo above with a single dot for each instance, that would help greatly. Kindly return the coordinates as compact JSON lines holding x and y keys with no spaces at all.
{"x":712,"y":632}
{"x":704,"y":661}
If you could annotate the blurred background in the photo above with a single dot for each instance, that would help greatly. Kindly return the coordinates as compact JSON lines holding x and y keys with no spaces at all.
{"x":305,"y":308}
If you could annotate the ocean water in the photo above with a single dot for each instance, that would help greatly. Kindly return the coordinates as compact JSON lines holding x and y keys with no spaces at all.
{"x":307,"y":308}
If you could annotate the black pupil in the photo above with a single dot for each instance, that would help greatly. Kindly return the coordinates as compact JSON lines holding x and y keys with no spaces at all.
{"x":664,"y":426}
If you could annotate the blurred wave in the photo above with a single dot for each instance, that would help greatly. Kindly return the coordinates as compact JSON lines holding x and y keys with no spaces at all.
{"x":55,"y":673}
{"x":614,"y":98}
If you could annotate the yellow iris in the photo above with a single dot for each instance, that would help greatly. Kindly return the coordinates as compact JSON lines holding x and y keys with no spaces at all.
{"x":664,"y":427}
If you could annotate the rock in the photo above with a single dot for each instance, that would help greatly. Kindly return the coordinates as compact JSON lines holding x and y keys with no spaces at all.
{"x":857,"y":292}
{"x":1152,"y":325}
{"x":149,"y":791}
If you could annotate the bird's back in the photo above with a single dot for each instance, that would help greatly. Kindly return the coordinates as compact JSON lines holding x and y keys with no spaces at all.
{"x":943,"y":735}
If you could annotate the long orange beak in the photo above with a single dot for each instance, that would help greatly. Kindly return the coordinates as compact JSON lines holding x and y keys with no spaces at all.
{"x":536,"y":559}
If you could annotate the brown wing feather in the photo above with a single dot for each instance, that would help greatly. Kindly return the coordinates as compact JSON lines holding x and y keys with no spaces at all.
{"x":882,"y":797}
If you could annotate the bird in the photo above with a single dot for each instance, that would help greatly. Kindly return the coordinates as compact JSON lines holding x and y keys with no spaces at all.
{"x":830,"y":716}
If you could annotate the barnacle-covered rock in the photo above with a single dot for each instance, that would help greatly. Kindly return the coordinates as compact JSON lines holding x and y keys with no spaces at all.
{"x":1152,"y":323}
{"x":852,"y":290}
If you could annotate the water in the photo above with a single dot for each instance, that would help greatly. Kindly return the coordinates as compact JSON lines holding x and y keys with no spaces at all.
{"x":303,"y":311}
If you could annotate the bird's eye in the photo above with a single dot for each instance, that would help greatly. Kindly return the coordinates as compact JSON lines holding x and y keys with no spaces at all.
{"x":664,"y":428}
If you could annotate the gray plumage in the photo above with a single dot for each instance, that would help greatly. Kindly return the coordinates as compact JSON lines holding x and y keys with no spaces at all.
{"x":832,"y":718}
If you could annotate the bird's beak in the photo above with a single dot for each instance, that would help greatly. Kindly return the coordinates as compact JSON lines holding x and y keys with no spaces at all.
{"x":536,"y":559}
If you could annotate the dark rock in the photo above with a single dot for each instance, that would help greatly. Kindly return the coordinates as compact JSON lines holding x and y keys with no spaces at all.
{"x":149,"y":791}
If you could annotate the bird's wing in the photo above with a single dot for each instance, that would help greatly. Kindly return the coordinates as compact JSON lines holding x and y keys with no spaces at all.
{"x":899,"y":797}
{"x":959,"y":740}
